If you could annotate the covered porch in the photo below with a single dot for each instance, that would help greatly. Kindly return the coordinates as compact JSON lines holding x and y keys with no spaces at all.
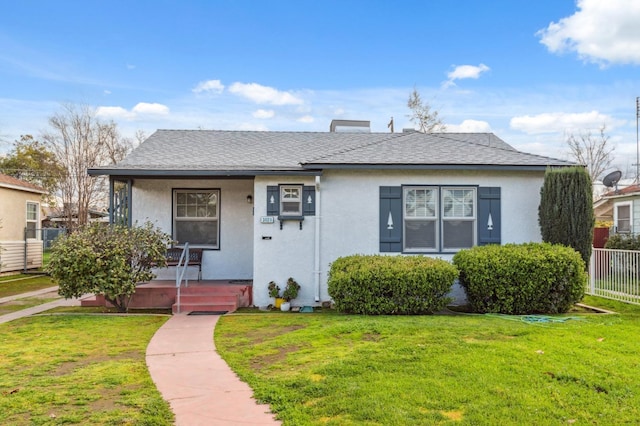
{"x":197,"y":296}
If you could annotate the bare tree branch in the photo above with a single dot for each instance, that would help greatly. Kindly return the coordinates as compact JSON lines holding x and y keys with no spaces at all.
{"x":594,"y":152}
{"x":80,"y":141}
{"x":421,"y":114}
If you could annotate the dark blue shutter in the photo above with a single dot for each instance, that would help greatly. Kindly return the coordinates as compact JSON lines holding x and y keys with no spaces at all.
{"x":309,"y":201}
{"x":489,"y":215}
{"x":390,"y":219}
{"x":273,"y":201}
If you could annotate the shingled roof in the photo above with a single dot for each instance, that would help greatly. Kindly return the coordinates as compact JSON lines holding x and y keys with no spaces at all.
{"x":20,"y":185}
{"x":214,"y":152}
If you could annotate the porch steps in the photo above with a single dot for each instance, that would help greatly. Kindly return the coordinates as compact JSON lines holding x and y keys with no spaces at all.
{"x":207,"y":296}
{"x":200,"y":298}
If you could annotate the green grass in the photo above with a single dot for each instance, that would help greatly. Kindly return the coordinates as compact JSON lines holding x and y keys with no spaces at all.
{"x":79,"y":369}
{"x":14,"y":284}
{"x":461,"y":369}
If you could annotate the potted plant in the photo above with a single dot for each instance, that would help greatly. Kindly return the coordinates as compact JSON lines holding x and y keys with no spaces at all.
{"x":290,"y":292}
{"x":274,"y":291}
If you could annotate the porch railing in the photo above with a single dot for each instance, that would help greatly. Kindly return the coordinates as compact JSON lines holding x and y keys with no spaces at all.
{"x":615,"y":274}
{"x":180,"y":273}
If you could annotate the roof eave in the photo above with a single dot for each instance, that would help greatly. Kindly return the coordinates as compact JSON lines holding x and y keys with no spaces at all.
{"x":161,"y":173}
{"x":519,"y":167}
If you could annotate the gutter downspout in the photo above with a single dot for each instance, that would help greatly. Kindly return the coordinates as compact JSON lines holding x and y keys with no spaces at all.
{"x":316,"y":265}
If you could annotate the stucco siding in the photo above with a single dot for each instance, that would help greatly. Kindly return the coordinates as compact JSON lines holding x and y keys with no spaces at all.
{"x":349,"y":221}
{"x":152,"y":201}
{"x":13,"y":212}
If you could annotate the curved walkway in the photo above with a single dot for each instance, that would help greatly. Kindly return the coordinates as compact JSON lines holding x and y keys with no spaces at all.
{"x":197,"y":383}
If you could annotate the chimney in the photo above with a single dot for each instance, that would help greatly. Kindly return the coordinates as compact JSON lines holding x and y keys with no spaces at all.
{"x":350,"y":126}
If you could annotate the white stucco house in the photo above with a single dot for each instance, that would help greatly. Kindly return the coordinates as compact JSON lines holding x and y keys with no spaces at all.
{"x":271,"y":205}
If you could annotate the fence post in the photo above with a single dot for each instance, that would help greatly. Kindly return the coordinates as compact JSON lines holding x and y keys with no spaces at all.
{"x":592,"y":275}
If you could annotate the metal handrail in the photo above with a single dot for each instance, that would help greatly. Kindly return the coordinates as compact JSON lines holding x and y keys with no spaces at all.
{"x":180,"y":271}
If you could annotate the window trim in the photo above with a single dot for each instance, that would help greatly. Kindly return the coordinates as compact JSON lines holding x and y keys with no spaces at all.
{"x":440,"y":219}
{"x":615,"y":215}
{"x":174,"y":218}
{"x":34,"y":221}
{"x":298,"y":213}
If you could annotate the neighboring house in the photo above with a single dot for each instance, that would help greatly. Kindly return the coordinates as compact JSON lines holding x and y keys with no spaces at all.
{"x":271,"y":205}
{"x":19,"y":224}
{"x":622,"y":208}
{"x":57,"y":218}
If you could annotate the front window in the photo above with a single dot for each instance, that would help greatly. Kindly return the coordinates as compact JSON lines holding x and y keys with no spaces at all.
{"x":32,"y":219}
{"x":439,"y":218}
{"x":291,"y":200}
{"x":196,"y":217}
{"x":623,"y":217}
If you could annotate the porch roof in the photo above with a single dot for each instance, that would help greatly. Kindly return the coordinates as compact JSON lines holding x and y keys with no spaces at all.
{"x":249,"y":153}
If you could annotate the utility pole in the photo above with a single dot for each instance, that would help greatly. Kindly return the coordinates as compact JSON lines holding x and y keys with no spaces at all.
{"x":637,"y":142}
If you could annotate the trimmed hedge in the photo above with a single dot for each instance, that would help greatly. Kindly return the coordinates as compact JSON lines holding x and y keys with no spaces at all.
{"x":390,"y":285}
{"x":623,"y":242}
{"x":521,"y":278}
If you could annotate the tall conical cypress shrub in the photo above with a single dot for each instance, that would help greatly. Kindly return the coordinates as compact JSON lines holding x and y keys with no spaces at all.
{"x":565,"y":213}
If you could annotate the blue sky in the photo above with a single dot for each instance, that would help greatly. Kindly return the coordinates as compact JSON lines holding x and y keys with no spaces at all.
{"x":529,"y":71}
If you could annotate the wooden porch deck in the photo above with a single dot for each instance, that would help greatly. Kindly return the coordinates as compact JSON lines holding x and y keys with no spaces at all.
{"x":205,"y":295}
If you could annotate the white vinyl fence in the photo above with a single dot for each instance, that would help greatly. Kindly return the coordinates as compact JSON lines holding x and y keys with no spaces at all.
{"x":615,"y":274}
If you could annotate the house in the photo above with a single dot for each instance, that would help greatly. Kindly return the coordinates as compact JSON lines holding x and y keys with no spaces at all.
{"x":19,"y":224}
{"x":621,"y":207}
{"x":271,"y":205}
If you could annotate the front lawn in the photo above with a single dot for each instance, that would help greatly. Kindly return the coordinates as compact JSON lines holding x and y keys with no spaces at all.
{"x":11,"y":285}
{"x":460,"y":369}
{"x":79,"y":369}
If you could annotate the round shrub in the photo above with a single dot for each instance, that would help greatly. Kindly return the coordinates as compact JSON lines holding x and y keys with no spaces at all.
{"x":384,"y":285}
{"x":521,"y":278}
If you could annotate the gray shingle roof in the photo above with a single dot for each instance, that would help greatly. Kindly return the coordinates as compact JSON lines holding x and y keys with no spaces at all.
{"x":255,"y":152}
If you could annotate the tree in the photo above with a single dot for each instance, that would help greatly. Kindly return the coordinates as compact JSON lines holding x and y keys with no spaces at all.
{"x":81,"y":141}
{"x":31,"y":161}
{"x":593,"y":152}
{"x":565,"y":213}
{"x":108,"y":260}
{"x":423,"y":115}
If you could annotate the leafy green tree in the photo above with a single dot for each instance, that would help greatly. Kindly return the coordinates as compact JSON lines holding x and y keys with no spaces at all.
{"x":31,"y":161}
{"x":566,"y":213}
{"x":108,"y":260}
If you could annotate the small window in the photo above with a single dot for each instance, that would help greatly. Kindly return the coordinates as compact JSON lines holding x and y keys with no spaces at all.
{"x":196,"y":217}
{"x":458,"y":218}
{"x":421,"y":219}
{"x":623,"y":217}
{"x":291,"y":200}
{"x":32,"y":220}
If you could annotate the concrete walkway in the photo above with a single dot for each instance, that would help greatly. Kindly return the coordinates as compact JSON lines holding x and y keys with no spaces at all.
{"x":197,"y":383}
{"x":39,"y":308}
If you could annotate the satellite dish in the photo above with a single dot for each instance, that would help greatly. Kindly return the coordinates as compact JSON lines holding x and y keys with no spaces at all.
{"x":612,"y":179}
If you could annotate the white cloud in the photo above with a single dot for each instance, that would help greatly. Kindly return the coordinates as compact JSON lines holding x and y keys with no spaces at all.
{"x":264,"y":113}
{"x":559,"y":122}
{"x":153,"y":108}
{"x":107,"y":92}
{"x":264,"y":95}
{"x":469,"y":126}
{"x":600,"y":31}
{"x":213,"y":86}
{"x":141,"y":109}
{"x":305,"y":119}
{"x":114,"y":112}
{"x":130,"y":66}
{"x":462,"y":72}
